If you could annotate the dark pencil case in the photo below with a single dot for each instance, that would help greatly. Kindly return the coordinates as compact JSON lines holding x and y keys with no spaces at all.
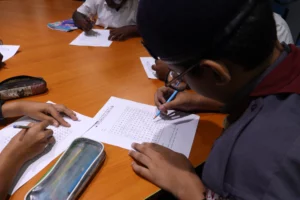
{"x":22,"y":86}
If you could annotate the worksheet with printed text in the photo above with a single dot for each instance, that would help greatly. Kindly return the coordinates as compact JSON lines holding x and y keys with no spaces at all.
{"x":121,"y":122}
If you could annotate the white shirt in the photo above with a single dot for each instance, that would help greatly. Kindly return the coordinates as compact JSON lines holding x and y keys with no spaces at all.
{"x":109,"y":17}
{"x":283,"y":30}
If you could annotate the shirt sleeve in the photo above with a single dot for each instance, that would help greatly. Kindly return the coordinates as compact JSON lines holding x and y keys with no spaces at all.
{"x":133,"y":9}
{"x":283,"y":31}
{"x":285,"y":183}
{"x":89,"y":8}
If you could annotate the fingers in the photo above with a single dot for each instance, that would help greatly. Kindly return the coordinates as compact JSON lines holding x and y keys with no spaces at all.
{"x":117,"y":35}
{"x":154,"y":67}
{"x":63,"y":109}
{"x":51,"y":140}
{"x":111,"y":36}
{"x":45,"y":117}
{"x":155,"y":148}
{"x":86,"y":24}
{"x":140,"y":157}
{"x":142,"y":148}
{"x":141,"y":171}
{"x":56,"y":117}
{"x":172,"y":105}
{"x":89,"y":25}
{"x":121,"y":37}
{"x":40,"y":129}
{"x":87,"y":28}
{"x":82,"y":24}
{"x":149,"y":149}
{"x":21,"y":134}
{"x":159,"y":97}
{"x":45,"y":135}
{"x":42,"y":125}
{"x":144,"y":152}
{"x":48,"y":134}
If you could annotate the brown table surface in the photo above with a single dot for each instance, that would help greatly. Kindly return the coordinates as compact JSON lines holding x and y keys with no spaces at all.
{"x":84,"y":78}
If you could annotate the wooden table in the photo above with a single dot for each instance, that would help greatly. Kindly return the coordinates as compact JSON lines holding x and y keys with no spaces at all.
{"x":83,"y":78}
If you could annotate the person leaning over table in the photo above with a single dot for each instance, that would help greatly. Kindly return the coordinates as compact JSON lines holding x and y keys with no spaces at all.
{"x":117,"y":14}
{"x":236,"y":59}
{"x":28,"y":143}
{"x":283,"y":33}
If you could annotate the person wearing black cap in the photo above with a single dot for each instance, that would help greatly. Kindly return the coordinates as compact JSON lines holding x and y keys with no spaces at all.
{"x":283,"y":34}
{"x":228,"y":52}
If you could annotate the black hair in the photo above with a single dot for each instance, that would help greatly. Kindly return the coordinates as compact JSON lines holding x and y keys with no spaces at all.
{"x":186,"y":29}
{"x":253,"y":41}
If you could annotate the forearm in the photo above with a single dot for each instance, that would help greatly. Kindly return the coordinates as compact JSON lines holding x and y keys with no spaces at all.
{"x":10,"y":164}
{"x":204,"y":103}
{"x":12,"y":109}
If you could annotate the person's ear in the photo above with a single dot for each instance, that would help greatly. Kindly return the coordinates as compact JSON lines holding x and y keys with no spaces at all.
{"x":220,"y":70}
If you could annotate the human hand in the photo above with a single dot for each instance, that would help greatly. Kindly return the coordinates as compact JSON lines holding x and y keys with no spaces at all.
{"x":29,"y":143}
{"x":184,"y":101}
{"x":161,"y":69}
{"x":167,"y":169}
{"x":46,"y":111}
{"x":82,"y":21}
{"x":123,"y":33}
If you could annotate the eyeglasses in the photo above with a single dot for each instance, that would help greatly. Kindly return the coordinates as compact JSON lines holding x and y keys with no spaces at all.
{"x":174,"y":79}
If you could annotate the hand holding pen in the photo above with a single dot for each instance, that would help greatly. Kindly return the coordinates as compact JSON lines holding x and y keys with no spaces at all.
{"x":30,"y":141}
{"x":83,"y":22}
{"x":183,"y":101}
{"x":168,"y":101}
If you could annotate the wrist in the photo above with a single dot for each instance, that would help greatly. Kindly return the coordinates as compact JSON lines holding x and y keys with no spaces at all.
{"x":191,"y":188}
{"x":13,"y":156}
{"x":13,"y":109}
{"x":196,"y":102}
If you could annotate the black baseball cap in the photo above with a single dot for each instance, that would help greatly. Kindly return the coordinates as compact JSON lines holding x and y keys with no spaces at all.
{"x":181,"y":28}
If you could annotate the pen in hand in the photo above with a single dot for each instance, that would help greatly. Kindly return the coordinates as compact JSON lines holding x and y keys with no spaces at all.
{"x":170,"y":99}
{"x":21,"y":127}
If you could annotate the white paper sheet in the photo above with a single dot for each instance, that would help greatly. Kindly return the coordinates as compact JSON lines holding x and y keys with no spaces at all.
{"x":64,"y":137}
{"x":147,"y":64}
{"x":122,"y":122}
{"x":8,"y":51}
{"x":94,"y":38}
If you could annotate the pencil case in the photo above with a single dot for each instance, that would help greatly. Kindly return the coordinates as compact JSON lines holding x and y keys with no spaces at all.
{"x":22,"y":86}
{"x":71,"y":173}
